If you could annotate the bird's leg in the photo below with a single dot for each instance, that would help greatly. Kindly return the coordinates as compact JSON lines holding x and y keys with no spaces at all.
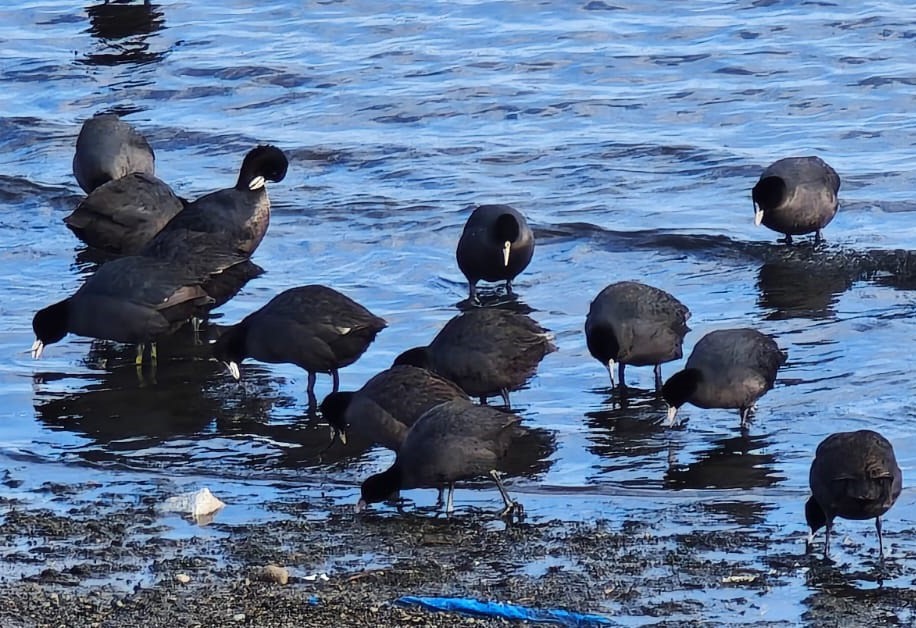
{"x":483,"y":400}
{"x":153,"y":354}
{"x":139,"y":359}
{"x":450,"y":500}
{"x":509,"y":290}
{"x":827,"y":540}
{"x":440,"y":499}
{"x":817,"y":237}
{"x":511,"y":506}
{"x":472,"y":292}
{"x":623,"y":384}
{"x":335,"y":378}
{"x":313,"y":400}
{"x":880,"y":539}
{"x":745,"y":414}
{"x":658,"y":377}
{"x":195,"y":326}
{"x":610,"y":371}
{"x":504,"y":393}
{"x":788,"y":239}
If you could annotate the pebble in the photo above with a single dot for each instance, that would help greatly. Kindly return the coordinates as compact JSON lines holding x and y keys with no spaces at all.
{"x":274,"y":573}
{"x":238,"y":617}
{"x":183,"y":578}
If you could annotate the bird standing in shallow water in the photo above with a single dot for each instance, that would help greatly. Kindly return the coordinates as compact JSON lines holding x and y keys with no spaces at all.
{"x":240,"y":214}
{"x":632,"y":323}
{"x":854,"y":475}
{"x":486,"y":351}
{"x":108,"y":148}
{"x":130,"y":299}
{"x":387,"y":405}
{"x":314,"y":327}
{"x":453,"y":441}
{"x":728,"y":368}
{"x":496,"y":245}
{"x":796,"y":195}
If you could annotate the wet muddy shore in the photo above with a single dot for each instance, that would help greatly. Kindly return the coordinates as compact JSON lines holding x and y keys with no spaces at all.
{"x":108,"y":563}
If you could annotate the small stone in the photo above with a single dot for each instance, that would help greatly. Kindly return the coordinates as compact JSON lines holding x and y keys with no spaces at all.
{"x":238,"y":617}
{"x":274,"y":573}
{"x":183,"y":578}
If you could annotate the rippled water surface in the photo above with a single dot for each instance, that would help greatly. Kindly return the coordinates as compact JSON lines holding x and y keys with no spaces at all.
{"x":630,"y":133}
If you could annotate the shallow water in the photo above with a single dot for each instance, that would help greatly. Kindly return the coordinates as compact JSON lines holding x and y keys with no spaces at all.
{"x":629,"y":133}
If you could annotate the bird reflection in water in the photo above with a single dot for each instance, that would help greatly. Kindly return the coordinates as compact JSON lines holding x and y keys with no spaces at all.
{"x":632,"y":429}
{"x":124,"y":30}
{"x":733,"y":462}
{"x":793,"y":288}
{"x":192,"y":417}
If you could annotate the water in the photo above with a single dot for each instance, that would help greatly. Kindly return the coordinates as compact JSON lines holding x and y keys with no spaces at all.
{"x":629,"y":133}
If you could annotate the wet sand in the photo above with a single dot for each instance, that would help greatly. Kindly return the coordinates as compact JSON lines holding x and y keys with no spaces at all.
{"x":107,"y":564}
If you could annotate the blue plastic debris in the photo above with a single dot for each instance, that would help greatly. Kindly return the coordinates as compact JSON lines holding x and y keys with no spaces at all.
{"x":470,"y":606}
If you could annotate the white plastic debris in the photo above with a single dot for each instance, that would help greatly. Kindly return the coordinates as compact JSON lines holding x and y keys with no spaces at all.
{"x":316,"y":576}
{"x":739,"y":578}
{"x":199,"y":505}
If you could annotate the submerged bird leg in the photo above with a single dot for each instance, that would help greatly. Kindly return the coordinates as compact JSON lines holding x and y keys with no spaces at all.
{"x":880,"y":540}
{"x":504,"y":393}
{"x":658,"y":377}
{"x":827,"y":540}
{"x":745,"y":414}
{"x":483,"y":400}
{"x":153,"y":354}
{"x":788,"y":239}
{"x":440,"y":499}
{"x":620,"y":367}
{"x":472,"y":292}
{"x":140,"y":349}
{"x":335,"y":378}
{"x":450,"y":500}
{"x":511,"y":506}
{"x":509,"y":290}
{"x":817,"y":237}
{"x":313,"y":400}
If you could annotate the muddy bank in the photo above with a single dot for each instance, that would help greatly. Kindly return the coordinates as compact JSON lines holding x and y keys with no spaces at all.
{"x":95,"y":565}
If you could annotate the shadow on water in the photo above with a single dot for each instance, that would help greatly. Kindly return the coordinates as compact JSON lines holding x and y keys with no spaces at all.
{"x":127,"y":416}
{"x":858,"y":596}
{"x":633,"y":428}
{"x":896,"y":268}
{"x":791,"y":288}
{"x":734,"y":462}
{"x":124,"y":30}
{"x":731,"y":462}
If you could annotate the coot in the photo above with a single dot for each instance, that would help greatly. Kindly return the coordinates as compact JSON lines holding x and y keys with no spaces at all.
{"x":314,"y":327}
{"x":108,"y":148}
{"x":242,"y":213}
{"x":854,"y":475}
{"x":796,"y":195}
{"x":728,"y":368}
{"x":496,"y":245}
{"x":486,"y":351}
{"x":452,"y":441}
{"x":388,"y":404}
{"x":632,"y":323}
{"x":122,"y":215}
{"x":130,"y":299}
